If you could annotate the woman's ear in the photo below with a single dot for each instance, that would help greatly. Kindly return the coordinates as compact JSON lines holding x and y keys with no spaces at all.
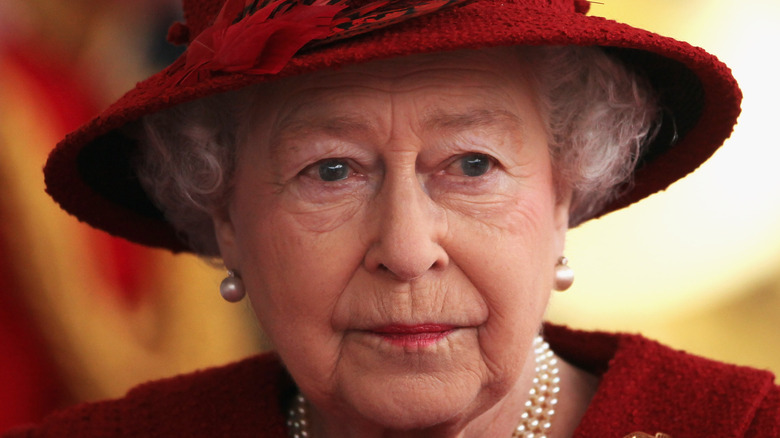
{"x":561,"y":215}
{"x":226,"y":239}
{"x":562,"y":206}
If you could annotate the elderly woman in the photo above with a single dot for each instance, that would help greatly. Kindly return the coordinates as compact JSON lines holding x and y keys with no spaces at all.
{"x":390,"y":186}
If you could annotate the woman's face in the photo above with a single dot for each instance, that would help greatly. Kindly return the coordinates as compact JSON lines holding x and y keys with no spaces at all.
{"x":396,"y":226}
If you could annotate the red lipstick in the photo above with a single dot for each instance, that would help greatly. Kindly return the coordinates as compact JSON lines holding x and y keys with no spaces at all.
{"x":417,"y":335}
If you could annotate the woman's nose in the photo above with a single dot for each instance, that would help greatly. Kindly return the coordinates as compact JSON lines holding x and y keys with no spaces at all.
{"x":407,"y":230}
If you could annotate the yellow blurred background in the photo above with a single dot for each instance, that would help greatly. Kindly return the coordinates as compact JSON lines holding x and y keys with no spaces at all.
{"x":695,"y":267}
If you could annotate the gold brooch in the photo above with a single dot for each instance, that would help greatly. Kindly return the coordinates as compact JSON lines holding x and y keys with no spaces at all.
{"x":647,"y":435}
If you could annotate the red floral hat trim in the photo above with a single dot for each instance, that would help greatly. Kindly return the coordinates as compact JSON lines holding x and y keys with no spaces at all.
{"x":254,"y":37}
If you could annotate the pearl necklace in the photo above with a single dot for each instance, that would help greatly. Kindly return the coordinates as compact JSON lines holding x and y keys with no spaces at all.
{"x":537,"y":414}
{"x":543,"y":396}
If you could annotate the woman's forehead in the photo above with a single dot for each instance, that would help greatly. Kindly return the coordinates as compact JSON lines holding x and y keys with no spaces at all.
{"x":425,"y":86}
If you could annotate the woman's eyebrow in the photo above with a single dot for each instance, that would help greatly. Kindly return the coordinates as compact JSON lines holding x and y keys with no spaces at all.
{"x":302,"y":126}
{"x":472,"y":118}
{"x":334,"y":125}
{"x":353,"y":125}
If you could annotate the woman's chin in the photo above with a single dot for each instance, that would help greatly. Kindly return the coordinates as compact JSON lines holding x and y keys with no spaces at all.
{"x":414,"y":402}
{"x":409,"y":386}
{"x":412,"y":411}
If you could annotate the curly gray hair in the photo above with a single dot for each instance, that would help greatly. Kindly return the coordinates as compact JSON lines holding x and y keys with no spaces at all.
{"x":599,"y":115}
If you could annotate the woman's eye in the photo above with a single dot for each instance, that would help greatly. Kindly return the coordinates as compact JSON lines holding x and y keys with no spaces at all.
{"x":333,"y":170}
{"x":475,"y":164}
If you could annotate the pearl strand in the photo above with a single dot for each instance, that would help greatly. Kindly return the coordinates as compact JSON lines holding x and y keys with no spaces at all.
{"x":536,"y":420}
{"x":537,"y":415}
{"x":297,"y":421}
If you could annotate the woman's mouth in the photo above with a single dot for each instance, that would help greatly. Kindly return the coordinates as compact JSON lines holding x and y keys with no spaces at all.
{"x":417,"y":335}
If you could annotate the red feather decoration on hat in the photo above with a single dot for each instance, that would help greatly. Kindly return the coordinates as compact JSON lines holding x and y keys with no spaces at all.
{"x":381,"y":14}
{"x":261,"y":41}
{"x":255,"y":37}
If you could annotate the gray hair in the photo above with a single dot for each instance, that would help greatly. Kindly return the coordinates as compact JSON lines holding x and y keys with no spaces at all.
{"x":598,"y":114}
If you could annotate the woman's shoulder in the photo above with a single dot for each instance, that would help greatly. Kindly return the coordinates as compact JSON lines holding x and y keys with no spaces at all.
{"x":646,"y":386}
{"x":766,"y":422}
{"x":238,"y":399}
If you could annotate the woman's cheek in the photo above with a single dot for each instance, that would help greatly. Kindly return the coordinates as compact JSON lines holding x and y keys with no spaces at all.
{"x":316,"y":207}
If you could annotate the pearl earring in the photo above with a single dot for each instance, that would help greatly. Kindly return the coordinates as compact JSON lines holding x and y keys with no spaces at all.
{"x":564,"y":275}
{"x":232,"y":287}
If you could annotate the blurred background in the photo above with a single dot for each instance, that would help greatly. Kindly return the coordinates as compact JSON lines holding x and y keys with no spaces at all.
{"x":85,"y":316}
{"x":698,"y":266}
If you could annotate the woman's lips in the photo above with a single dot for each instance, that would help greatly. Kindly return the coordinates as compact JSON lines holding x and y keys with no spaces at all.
{"x":417,"y":335}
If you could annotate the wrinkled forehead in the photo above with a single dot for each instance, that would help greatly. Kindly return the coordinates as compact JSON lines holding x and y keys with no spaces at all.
{"x":460,"y":81}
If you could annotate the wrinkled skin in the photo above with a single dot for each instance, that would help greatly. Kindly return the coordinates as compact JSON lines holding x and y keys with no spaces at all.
{"x":412,"y":191}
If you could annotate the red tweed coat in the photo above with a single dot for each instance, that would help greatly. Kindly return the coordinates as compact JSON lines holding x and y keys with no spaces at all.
{"x":645,"y":387}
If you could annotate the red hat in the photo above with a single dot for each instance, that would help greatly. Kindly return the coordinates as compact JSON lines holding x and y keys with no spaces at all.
{"x":234,"y":43}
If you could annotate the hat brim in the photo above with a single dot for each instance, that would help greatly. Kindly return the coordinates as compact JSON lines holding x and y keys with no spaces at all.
{"x":89,"y":173}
